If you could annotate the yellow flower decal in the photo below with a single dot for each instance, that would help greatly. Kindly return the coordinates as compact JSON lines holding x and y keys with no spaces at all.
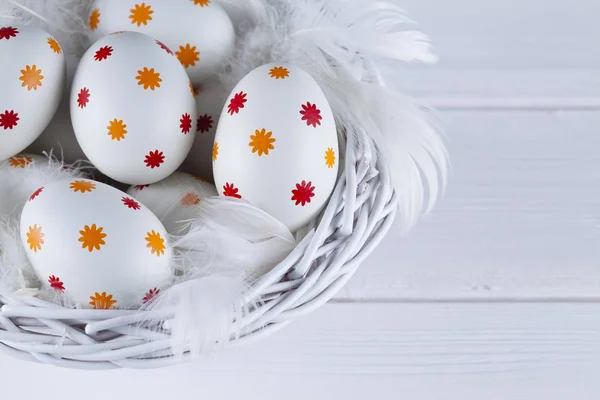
{"x":330,"y":158}
{"x":190,"y":199}
{"x":141,"y":14}
{"x":215,"y":151}
{"x":201,"y":3}
{"x":148,"y":79}
{"x":279,"y":73}
{"x":261,"y":142}
{"x":54,"y":45}
{"x":102,"y":301}
{"x":117,"y":129}
{"x":82,"y":186}
{"x":92,"y":238}
{"x":20,"y":161}
{"x":188,"y":55}
{"x":35,"y":238}
{"x":31,"y":77}
{"x":156,"y":243}
{"x":95,"y":19}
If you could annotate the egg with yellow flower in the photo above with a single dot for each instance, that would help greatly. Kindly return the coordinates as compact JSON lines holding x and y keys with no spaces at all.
{"x":94,"y":244}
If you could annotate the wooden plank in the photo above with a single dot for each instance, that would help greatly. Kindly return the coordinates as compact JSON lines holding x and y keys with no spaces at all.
{"x":358,"y":351}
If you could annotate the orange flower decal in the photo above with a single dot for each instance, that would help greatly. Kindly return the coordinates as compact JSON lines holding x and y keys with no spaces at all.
{"x":102,"y":301}
{"x":20,"y":161}
{"x":54,"y":45}
{"x":215,"y":151}
{"x":95,"y":19}
{"x":201,"y":3}
{"x":190,"y":199}
{"x":279,"y":73}
{"x":148,"y":78}
{"x":330,"y":158}
{"x":188,"y":55}
{"x":192,"y":89}
{"x":261,"y":142}
{"x":82,"y":186}
{"x":31,"y":77}
{"x":92,"y":238}
{"x":141,"y":14}
{"x":35,"y":238}
{"x":117,"y":129}
{"x":156,"y":243}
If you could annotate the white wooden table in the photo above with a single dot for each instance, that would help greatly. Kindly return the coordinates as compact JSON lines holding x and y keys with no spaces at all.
{"x":496,"y":295}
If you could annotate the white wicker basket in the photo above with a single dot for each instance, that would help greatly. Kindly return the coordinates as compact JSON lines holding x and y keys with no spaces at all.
{"x":360,"y":212}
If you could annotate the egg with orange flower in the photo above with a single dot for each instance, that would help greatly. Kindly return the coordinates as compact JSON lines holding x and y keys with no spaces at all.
{"x":198,"y":32}
{"x":95,"y":244}
{"x":132,"y":108}
{"x":32,"y":77}
{"x":276,"y":144}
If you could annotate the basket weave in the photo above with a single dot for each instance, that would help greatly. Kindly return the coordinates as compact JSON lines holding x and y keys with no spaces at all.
{"x":360,"y":212}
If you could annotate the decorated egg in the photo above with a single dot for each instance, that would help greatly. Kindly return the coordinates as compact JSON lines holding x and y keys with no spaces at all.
{"x":133,"y":108}
{"x":92,"y":242}
{"x":199,"y":32}
{"x":276,"y":144}
{"x":174,"y":200}
{"x":32,"y":78}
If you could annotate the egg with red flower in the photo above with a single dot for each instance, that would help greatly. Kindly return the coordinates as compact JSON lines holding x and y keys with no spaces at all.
{"x":133,"y":109}
{"x":276,"y":144}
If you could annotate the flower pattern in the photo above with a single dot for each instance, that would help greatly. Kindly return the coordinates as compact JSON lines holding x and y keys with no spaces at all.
{"x":54,"y":45}
{"x":94,"y":19}
{"x":83,"y":98}
{"x":8,"y":32}
{"x":117,"y":129}
{"x":230,"y":190}
{"x":103,"y":53}
{"x":201,"y":3}
{"x":204,"y":124}
{"x":36,"y":194}
{"x":9,"y":119}
{"x":139,"y":188}
{"x":164,"y":47}
{"x":156,"y":243}
{"x":330,"y":158}
{"x":185,"y":123}
{"x":279,"y":73}
{"x":151,"y":295}
{"x":215,"y":152}
{"x":303,"y":193}
{"x":82,"y":186}
{"x":261,"y":142}
{"x":190,"y":199}
{"x":35,"y":238}
{"x":102,"y":301}
{"x":20,"y":161}
{"x":188,"y":56}
{"x":154,"y":159}
{"x":148,"y":78}
{"x":141,"y":14}
{"x":31,"y":77}
{"x":92,"y":238}
{"x":311,"y":114}
{"x":56,"y":284}
{"x":131,"y":203}
{"x":237,"y":102}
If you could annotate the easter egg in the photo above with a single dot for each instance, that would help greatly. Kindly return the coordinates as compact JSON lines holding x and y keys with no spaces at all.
{"x":32,"y":78}
{"x":276,"y":145}
{"x":175,"y":199}
{"x":95,"y":244}
{"x":133,"y":109}
{"x":199,"y":32}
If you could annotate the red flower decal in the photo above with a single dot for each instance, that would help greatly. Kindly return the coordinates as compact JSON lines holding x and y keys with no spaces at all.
{"x":303,"y":193}
{"x":36,"y":194}
{"x":151,"y":295}
{"x":186,"y":123}
{"x":231,"y":191}
{"x":154,"y":159}
{"x":8,"y":32}
{"x":311,"y":114}
{"x":56,"y":284}
{"x":83,"y":98}
{"x":9,"y":119}
{"x":164,"y":47}
{"x":237,"y":103}
{"x":103,"y":53}
{"x":139,"y":188}
{"x":131,"y":203}
{"x":205,"y":123}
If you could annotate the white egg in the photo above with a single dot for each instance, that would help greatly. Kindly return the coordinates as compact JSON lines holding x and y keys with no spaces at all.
{"x":199,"y":32}
{"x":133,"y":109}
{"x":32,"y":78}
{"x":99,"y":246}
{"x":276,"y":144}
{"x":175,"y":199}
